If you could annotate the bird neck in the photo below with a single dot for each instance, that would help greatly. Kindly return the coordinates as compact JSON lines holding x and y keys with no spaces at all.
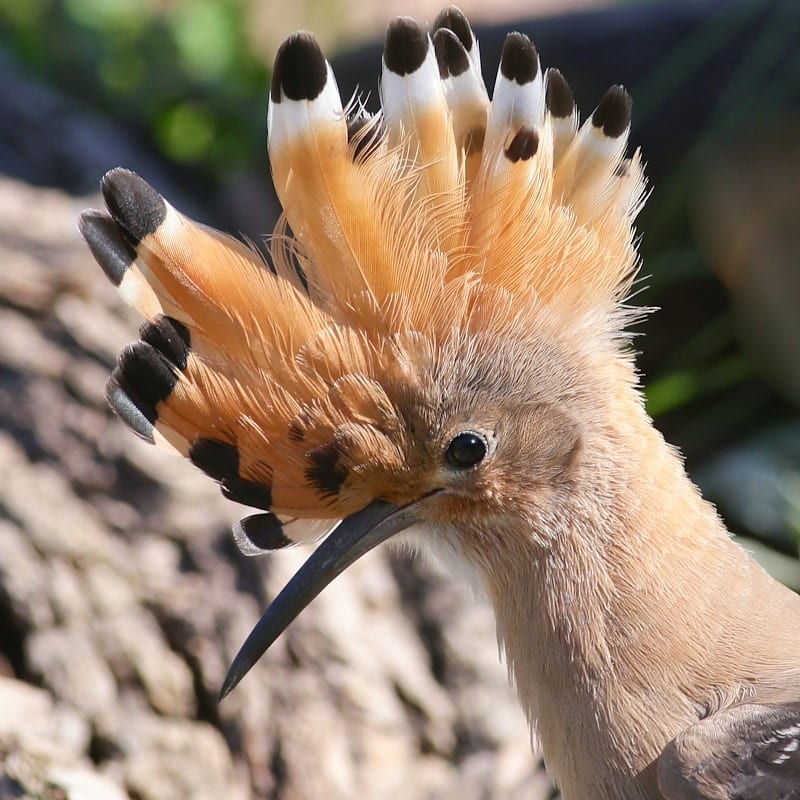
{"x":612,"y":617}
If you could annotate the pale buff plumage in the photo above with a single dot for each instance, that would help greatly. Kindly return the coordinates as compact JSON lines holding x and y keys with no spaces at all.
{"x":461,"y":266}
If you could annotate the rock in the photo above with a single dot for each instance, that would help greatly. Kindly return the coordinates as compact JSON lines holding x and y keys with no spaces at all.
{"x":43,"y":748}
{"x":39,"y":725}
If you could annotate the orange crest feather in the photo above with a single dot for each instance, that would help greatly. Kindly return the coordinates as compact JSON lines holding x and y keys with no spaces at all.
{"x":445,"y":213}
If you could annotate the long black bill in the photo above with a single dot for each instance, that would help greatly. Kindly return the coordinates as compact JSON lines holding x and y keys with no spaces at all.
{"x":355,"y":536}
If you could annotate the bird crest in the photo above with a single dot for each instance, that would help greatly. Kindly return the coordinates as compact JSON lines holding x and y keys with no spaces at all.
{"x":300,"y":381}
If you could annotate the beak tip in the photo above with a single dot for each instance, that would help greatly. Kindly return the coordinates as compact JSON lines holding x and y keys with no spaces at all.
{"x":356,"y":535}
{"x":239,"y":667}
{"x":228,"y":685}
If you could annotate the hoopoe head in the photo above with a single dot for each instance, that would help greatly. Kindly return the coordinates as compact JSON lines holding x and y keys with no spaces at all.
{"x":441,"y":302}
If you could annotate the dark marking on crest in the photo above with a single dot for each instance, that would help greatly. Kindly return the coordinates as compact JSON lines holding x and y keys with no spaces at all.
{"x":263,"y":531}
{"x":219,"y":460}
{"x":406,"y":46}
{"x":451,"y":56}
{"x":247,"y":492}
{"x":145,"y":376}
{"x":170,"y":337}
{"x":453,"y":19}
{"x":124,"y":407}
{"x":134,"y":204}
{"x":558,"y":96}
{"x":523,"y":146}
{"x":613,"y":112}
{"x":325,"y":472}
{"x":520,"y":61}
{"x":111,"y":250}
{"x":300,"y":70}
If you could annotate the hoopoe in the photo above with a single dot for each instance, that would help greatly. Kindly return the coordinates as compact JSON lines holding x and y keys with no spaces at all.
{"x":435,"y":350}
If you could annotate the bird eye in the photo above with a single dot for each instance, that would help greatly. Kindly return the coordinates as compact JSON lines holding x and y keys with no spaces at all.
{"x":466,"y":450}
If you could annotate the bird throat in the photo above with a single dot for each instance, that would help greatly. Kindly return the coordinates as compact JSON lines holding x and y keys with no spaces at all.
{"x":589,"y":622}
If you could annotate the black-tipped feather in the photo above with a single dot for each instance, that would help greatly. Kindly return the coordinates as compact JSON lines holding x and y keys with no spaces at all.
{"x":146,"y":376}
{"x":259,"y":533}
{"x":520,"y":61}
{"x":558,"y":96}
{"x":300,"y":71}
{"x":124,"y":407}
{"x":110,"y":248}
{"x":613,"y":112}
{"x":220,"y":461}
{"x":135,"y":205}
{"x":170,"y":337}
{"x":453,"y":19}
{"x":406,"y":46}
{"x":256,"y":494}
{"x":325,"y":472}
{"x":523,"y":146}
{"x":451,"y":56}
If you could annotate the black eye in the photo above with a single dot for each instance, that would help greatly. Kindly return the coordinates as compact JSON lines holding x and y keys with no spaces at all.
{"x":466,"y":450}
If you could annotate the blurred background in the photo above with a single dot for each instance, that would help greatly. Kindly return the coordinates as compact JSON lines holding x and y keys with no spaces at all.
{"x":176,"y":90}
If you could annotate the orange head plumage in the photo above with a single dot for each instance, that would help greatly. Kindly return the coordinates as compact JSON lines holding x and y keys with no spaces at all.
{"x":442,"y":300}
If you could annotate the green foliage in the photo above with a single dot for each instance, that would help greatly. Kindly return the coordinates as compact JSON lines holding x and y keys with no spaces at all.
{"x":705,"y":363}
{"x":181,"y":73}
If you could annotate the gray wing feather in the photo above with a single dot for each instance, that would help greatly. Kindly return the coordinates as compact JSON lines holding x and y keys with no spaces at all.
{"x":749,"y":752}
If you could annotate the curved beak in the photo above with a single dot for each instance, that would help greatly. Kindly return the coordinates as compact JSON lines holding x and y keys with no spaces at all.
{"x":355,"y":536}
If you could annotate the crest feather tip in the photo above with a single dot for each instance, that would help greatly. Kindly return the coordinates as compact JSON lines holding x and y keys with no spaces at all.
{"x":108,"y":246}
{"x":134,"y":204}
{"x":256,"y":494}
{"x":558,"y":96}
{"x":127,"y":410}
{"x":406,"y":46}
{"x":146,"y":375}
{"x":300,"y":71}
{"x":218,"y":459}
{"x":453,"y":19}
{"x":519,"y":61}
{"x":613,"y":112}
{"x":451,"y":54}
{"x":170,"y":338}
{"x":518,"y":101}
{"x":260,"y":533}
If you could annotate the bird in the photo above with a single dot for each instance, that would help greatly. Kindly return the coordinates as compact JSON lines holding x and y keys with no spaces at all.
{"x":435,"y":350}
